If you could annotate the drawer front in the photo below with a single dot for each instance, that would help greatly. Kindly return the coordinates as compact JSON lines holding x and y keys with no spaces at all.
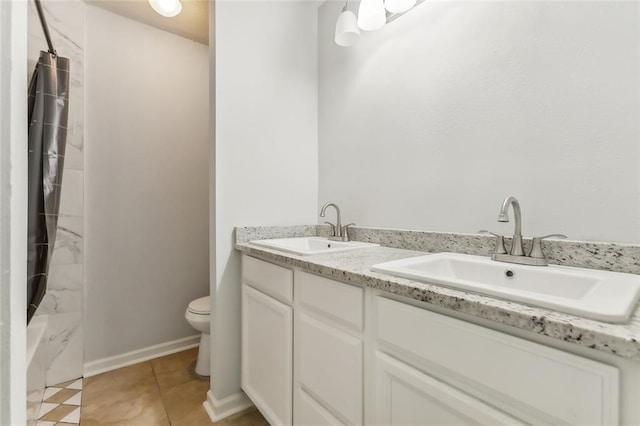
{"x":274,"y":280}
{"x":338,"y":301}
{"x":545,"y":382}
{"x":406,"y":396}
{"x":330,"y":368}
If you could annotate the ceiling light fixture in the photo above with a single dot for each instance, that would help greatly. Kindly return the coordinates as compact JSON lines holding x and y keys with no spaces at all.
{"x":168,"y":8}
{"x":347,"y":31}
{"x":399,"y":6}
{"x":371,"y":15}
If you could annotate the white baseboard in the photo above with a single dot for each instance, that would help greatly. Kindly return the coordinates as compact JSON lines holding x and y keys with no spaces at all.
{"x":118,"y":361}
{"x":220,"y":409}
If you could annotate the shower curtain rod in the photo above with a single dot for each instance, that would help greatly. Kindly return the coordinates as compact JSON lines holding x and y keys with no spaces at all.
{"x":45,"y":27}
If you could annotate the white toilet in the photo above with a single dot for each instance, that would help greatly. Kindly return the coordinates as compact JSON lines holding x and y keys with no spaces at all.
{"x":197,"y":314}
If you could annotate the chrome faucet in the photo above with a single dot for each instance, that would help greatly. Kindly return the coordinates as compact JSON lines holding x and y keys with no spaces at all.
{"x":338,"y":232}
{"x":516,"y":246}
{"x":516,"y":255}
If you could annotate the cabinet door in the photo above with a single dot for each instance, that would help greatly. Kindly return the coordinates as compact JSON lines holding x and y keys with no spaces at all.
{"x":503,"y":370}
{"x":329,"y":370}
{"x":406,"y":396}
{"x":267,"y":348}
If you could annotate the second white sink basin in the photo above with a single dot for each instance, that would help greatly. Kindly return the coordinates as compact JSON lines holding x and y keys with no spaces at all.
{"x":600,"y":295}
{"x":305,"y":246}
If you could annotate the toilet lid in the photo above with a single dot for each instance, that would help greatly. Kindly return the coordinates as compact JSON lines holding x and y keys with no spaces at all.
{"x":200,"y":306}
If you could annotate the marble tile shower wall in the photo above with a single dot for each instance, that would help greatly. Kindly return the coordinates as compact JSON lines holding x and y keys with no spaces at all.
{"x":64,"y":300}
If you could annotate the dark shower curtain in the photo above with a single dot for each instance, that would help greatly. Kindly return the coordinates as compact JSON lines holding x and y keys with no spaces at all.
{"x":48,"y":115}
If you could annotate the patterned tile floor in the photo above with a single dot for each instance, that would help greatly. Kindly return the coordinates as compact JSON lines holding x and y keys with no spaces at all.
{"x":160,"y":392}
{"x":62,"y":404}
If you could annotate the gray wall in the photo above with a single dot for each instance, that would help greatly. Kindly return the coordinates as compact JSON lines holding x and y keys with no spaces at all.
{"x":432,"y":121}
{"x":146,"y":184}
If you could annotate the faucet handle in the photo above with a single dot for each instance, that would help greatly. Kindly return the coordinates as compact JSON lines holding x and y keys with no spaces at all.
{"x":536,"y":245}
{"x":345,"y":231}
{"x":333,"y":228}
{"x":499,"y":241}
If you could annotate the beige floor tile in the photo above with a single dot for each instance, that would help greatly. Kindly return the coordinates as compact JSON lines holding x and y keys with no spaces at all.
{"x":236,"y":416}
{"x":64,"y":384}
{"x":128,"y":396}
{"x":45,"y":408}
{"x":75,"y":400}
{"x":184,"y":403}
{"x":252,"y":418}
{"x":49,"y":392}
{"x":76,"y":385}
{"x":58,"y":413}
{"x":121,"y":378}
{"x":198,"y":417}
{"x":176,"y":369}
{"x":73,"y":417}
{"x":62,"y":395}
{"x":249,"y":417}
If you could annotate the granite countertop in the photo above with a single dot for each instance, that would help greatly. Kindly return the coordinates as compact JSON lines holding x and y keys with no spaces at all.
{"x":622,"y":340}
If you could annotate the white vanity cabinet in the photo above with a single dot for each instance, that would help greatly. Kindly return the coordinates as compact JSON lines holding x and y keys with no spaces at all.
{"x":267,"y":338}
{"x":316,"y":351}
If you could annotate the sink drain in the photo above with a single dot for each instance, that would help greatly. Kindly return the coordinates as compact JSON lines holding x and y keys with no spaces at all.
{"x":509,"y":273}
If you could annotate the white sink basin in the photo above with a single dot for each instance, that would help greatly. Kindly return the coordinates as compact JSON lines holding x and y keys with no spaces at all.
{"x":305,"y":246}
{"x":599,"y":295}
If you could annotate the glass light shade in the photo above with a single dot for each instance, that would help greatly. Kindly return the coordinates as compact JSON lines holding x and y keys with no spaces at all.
{"x":168,"y":8}
{"x":371,"y":15}
{"x":347,"y":31}
{"x":399,"y":6}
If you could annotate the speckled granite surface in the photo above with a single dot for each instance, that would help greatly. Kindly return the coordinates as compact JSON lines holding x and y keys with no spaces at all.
{"x":591,"y":255}
{"x":246,"y":234}
{"x":619,"y":339}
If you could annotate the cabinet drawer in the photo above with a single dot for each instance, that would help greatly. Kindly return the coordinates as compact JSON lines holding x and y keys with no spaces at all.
{"x":329,"y":365}
{"x":337,"y":301}
{"x":274,"y":280}
{"x":406,"y":396}
{"x":546,"y":383}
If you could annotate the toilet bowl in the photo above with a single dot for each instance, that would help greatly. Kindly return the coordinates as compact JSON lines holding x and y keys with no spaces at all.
{"x":197,"y":314}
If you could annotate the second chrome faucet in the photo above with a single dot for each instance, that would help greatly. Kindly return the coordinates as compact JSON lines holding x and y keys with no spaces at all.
{"x":516,"y":254}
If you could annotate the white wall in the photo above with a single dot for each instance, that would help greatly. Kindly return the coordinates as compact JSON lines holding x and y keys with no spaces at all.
{"x":265,"y":146}
{"x":13,"y":212}
{"x":432,"y":121}
{"x":146,"y":183}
